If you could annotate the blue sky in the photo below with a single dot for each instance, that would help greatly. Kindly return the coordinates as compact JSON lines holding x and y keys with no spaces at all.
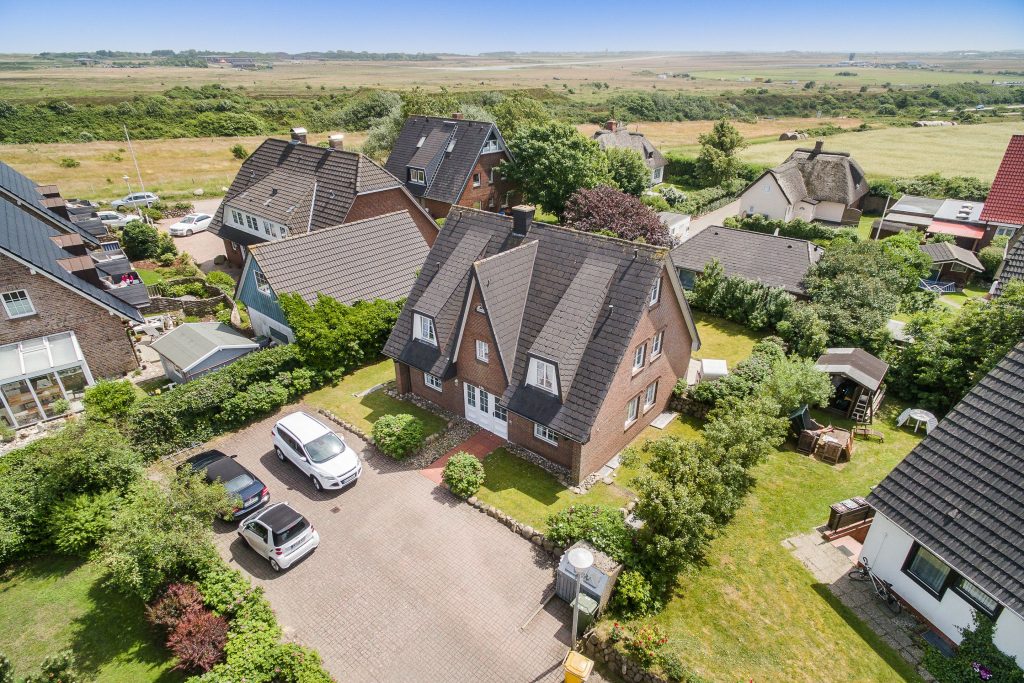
{"x":520,"y":25}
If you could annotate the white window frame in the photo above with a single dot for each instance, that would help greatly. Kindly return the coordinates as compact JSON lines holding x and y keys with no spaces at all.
{"x":632,"y":411}
{"x":262,"y":284}
{"x":1005,"y":230}
{"x":417,"y":176}
{"x":14,"y":304}
{"x":650,"y":395}
{"x":545,"y":434}
{"x":543,"y":375}
{"x":483,"y":351}
{"x":492,"y":145}
{"x":477,"y":180}
{"x":655,"y":292}
{"x":433,"y":381}
{"x":657,"y":344}
{"x":423,"y":329}
{"x":639,"y":358}
{"x":491,"y":174}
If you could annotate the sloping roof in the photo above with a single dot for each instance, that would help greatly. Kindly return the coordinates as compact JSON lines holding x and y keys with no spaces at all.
{"x":623,"y":138}
{"x":24,"y":188}
{"x":303,"y":187}
{"x":957,"y":229}
{"x":771,"y":260}
{"x":812,"y":174}
{"x":1012,"y":267}
{"x":449,"y":152}
{"x":960,"y":492}
{"x":857,"y":364}
{"x":190,"y":343}
{"x":28,"y":239}
{"x":947,"y":252}
{"x":1005,"y":202}
{"x":375,"y":258}
{"x":921,"y":206}
{"x":575,"y":297}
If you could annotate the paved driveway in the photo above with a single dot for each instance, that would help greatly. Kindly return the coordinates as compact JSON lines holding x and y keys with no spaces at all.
{"x":408,"y":583}
{"x":204,"y":246}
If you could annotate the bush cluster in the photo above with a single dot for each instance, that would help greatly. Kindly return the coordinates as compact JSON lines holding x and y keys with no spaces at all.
{"x":738,"y":299}
{"x":398,"y":435}
{"x":976,"y":659}
{"x":464,"y":474}
{"x":141,"y":241}
{"x":700,"y":202}
{"x":932,"y":185}
{"x":604,"y":528}
{"x":796,"y":228}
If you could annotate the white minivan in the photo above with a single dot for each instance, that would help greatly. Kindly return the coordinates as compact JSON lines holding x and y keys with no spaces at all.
{"x":316,"y":450}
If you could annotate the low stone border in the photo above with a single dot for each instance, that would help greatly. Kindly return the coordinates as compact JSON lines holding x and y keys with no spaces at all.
{"x":347,"y":425}
{"x":528,"y":532}
{"x":600,"y":649}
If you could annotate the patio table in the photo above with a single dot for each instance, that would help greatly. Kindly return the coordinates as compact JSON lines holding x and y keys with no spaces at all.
{"x":920,"y":417}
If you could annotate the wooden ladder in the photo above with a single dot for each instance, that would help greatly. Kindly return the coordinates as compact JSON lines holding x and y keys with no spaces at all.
{"x":860,"y":411}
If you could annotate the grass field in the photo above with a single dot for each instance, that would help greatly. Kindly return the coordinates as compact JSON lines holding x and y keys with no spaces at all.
{"x":723,"y":339}
{"x":56,"y":603}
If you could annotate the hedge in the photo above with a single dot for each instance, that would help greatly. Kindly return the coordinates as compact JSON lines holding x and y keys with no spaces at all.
{"x":398,"y":435}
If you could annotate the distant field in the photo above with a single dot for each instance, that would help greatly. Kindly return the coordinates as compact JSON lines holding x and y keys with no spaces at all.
{"x":169,"y":167}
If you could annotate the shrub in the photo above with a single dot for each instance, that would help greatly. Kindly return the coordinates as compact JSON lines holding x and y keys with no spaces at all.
{"x":633,"y":596}
{"x":674,"y":670}
{"x":239,"y":152}
{"x":110,"y":400}
{"x":746,"y":302}
{"x":222,"y":281}
{"x":68,"y":162}
{"x":606,"y":208}
{"x":7,"y":434}
{"x":176,"y":602}
{"x":796,"y":228}
{"x":259,"y":399}
{"x":644,"y":643}
{"x":223,"y":588}
{"x":464,"y":474}
{"x":80,"y":522}
{"x":991,"y":258}
{"x":976,"y":659}
{"x":196,"y":289}
{"x":59,"y":668}
{"x":60,"y":406}
{"x":602,"y":527}
{"x":398,"y":435}
{"x":198,"y":640}
{"x":140,"y":241}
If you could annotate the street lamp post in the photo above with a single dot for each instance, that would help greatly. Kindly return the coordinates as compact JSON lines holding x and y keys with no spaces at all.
{"x":581,"y":560}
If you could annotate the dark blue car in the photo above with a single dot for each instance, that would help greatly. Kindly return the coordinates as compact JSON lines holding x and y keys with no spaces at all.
{"x":240,"y":482}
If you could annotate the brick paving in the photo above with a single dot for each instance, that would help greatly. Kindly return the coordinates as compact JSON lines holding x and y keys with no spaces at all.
{"x":409,"y":583}
{"x":479,"y":444}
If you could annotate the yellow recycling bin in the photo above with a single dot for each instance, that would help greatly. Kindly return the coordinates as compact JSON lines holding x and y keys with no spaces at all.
{"x":577,"y":668}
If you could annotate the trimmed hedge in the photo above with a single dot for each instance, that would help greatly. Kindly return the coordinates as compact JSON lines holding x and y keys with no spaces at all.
{"x":398,"y":435}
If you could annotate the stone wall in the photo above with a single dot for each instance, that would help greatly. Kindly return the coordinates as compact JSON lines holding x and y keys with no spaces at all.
{"x":194,"y":307}
{"x":600,"y":649}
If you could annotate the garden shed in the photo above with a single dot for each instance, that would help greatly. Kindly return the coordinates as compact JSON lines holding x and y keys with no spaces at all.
{"x":194,"y":349}
{"x":857,"y":378}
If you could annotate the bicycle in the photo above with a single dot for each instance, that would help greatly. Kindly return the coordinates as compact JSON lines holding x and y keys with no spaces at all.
{"x":883,"y":589}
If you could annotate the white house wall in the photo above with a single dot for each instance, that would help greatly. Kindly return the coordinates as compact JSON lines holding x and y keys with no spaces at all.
{"x":766,"y":197}
{"x":829,"y":211}
{"x":886,"y":548}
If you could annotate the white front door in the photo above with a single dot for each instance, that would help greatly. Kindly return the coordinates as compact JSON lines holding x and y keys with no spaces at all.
{"x":482,"y":408}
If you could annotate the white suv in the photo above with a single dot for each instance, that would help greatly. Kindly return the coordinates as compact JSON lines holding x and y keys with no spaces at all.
{"x":279,"y":534}
{"x":316,"y":450}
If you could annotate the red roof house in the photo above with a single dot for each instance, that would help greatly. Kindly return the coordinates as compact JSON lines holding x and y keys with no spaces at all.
{"x":1005,"y":203}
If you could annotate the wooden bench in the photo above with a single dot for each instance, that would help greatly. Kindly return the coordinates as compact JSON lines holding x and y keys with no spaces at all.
{"x":868,"y":432}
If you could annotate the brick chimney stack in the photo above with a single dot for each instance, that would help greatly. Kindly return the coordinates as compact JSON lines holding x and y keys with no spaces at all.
{"x":818,"y":144}
{"x":522,"y":217}
{"x":336,"y":141}
{"x":298,"y":134}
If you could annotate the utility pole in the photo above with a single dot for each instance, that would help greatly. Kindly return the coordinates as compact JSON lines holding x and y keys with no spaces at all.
{"x":882,"y":219}
{"x":137,"y":172}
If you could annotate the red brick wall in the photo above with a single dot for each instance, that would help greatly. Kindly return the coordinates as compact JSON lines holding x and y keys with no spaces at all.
{"x":609,"y":436}
{"x":488,"y":375}
{"x":520,"y":431}
{"x":487,"y":191}
{"x":389,"y":201}
{"x":449,"y":398}
{"x":102,"y":336}
{"x":437,"y":209}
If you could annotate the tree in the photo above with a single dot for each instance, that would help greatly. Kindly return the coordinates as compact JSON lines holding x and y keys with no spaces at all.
{"x":516,"y":112}
{"x":904,"y":249}
{"x":795,"y":382}
{"x":140,"y":241}
{"x":604,"y":208}
{"x":803,"y":330}
{"x":717,"y":162}
{"x":628,"y":170}
{"x":552,"y":161}
{"x":417,"y":102}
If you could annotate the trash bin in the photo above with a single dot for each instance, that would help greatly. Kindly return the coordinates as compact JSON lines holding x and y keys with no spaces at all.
{"x":588,"y":612}
{"x":577,"y":667}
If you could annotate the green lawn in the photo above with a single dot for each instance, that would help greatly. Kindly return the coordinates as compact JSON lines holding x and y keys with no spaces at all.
{"x":55,"y":603}
{"x":958,"y":299}
{"x":723,"y":339}
{"x":363,"y":411}
{"x":149,"y":277}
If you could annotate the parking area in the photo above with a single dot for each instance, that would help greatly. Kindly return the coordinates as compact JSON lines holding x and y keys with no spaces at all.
{"x":409,"y":583}
{"x":204,"y":246}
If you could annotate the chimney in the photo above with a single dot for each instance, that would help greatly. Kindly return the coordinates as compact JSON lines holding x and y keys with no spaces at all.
{"x":522,"y":216}
{"x":611,"y":125}
{"x":818,"y":144}
{"x":336,"y":141}
{"x":298,"y":134}
{"x":457,"y":115}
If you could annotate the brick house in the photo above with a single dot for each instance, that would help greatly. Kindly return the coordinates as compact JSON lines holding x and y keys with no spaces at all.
{"x":62,"y":323}
{"x":452,"y":162}
{"x":288,"y":187}
{"x":566,"y":343}
{"x":615,"y":135}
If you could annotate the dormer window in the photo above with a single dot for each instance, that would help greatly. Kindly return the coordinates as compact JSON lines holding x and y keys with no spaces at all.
{"x":416,"y":175}
{"x":262,"y":286}
{"x":543,"y":375}
{"x":491,"y":145}
{"x":656,"y":292}
{"x":423,"y":329}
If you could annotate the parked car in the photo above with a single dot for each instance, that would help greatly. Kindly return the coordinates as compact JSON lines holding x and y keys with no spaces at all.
{"x":135,"y":200}
{"x":113,"y":219}
{"x":280,"y":534}
{"x":316,"y":450}
{"x":240,"y":482}
{"x":194,"y":222}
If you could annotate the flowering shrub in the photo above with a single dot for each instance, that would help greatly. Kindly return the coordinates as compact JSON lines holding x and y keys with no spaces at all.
{"x":643,"y":643}
{"x":198,"y":640}
{"x":977,"y":659}
{"x":618,"y":633}
{"x":177,"y":601}
{"x":464,"y":474}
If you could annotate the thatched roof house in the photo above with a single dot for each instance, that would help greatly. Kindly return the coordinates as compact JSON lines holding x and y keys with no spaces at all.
{"x":616,"y":135}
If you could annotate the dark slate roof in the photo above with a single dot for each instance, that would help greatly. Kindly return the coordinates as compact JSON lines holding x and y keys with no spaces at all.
{"x":375,"y":258}
{"x":24,"y":188}
{"x":810,"y":174}
{"x":446,"y":171}
{"x":303,"y":187}
{"x":636,"y":141}
{"x":570,"y":297}
{"x":960,"y":492}
{"x":26,"y":237}
{"x":857,"y":364}
{"x":768,"y":259}
{"x":1012,"y":267}
{"x":946,"y":252}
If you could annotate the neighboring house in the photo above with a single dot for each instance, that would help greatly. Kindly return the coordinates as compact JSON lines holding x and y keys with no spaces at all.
{"x":375,"y":258}
{"x":813,"y":185}
{"x":857,"y":382}
{"x":769,"y":259}
{"x":951,"y":263}
{"x":288,"y":188}
{"x":948,"y":531}
{"x":1004,"y":206}
{"x":563,"y":342}
{"x":960,"y":218}
{"x":1012,"y":267}
{"x":193,"y":349}
{"x":452,"y":162}
{"x":61,"y":324}
{"x":615,"y":135}
{"x":44,"y":203}
{"x":677,"y":224}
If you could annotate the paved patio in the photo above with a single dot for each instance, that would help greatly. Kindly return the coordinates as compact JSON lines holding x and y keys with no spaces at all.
{"x":409,"y":583}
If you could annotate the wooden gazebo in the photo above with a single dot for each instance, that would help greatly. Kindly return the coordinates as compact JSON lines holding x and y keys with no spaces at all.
{"x":857,"y":378}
